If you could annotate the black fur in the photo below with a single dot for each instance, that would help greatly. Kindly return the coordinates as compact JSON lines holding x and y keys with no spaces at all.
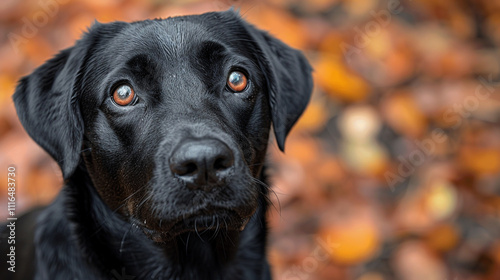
{"x":122,"y":213}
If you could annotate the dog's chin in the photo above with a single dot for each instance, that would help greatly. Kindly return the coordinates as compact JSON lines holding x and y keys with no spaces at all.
{"x":217,"y":223}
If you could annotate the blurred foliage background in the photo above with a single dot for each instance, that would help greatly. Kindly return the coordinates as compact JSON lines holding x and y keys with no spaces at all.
{"x":394,"y":170}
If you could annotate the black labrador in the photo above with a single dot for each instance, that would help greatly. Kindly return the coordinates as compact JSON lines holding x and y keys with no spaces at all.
{"x":160,"y":128}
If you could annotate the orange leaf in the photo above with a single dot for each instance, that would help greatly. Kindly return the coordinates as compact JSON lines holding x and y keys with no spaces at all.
{"x":480,"y":160}
{"x":352,"y":242}
{"x":404,"y":116}
{"x":313,"y":118}
{"x":339,"y":82}
{"x":443,"y":238}
{"x":278,"y":22}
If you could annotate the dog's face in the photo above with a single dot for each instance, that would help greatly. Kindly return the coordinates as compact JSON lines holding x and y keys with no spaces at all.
{"x":172,"y":116}
{"x":183,"y":142}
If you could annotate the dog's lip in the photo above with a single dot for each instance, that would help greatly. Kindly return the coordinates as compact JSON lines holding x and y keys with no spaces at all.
{"x":197,"y":222}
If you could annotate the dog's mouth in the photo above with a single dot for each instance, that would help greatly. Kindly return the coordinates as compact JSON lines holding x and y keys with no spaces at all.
{"x":214,"y":221}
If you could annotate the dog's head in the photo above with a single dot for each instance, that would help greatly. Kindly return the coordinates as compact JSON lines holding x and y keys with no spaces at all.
{"x":170,"y":117}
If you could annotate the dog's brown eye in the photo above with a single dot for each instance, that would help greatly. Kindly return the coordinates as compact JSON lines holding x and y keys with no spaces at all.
{"x":237,"y":81}
{"x":123,"y":95}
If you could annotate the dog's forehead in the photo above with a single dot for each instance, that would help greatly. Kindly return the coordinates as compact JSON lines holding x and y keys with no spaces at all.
{"x":167,"y":38}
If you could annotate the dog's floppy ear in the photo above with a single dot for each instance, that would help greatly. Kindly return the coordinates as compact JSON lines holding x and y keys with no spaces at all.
{"x":46,"y":103}
{"x":289,"y":80}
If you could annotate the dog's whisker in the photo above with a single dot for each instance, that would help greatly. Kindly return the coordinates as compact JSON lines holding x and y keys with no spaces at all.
{"x":261,"y":183}
{"x":134,"y":193}
{"x":217,"y":229}
{"x":144,"y":200}
{"x":257,"y":164}
{"x":229,"y":237}
{"x":268,"y":200}
{"x":187,"y":242}
{"x":196,"y":230}
{"x":215,"y":223}
{"x":222,"y":243}
{"x":248,"y":10}
{"x":123,"y":239}
{"x":85,"y":150}
{"x":103,"y":222}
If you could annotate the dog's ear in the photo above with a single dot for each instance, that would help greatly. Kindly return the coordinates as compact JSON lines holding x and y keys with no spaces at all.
{"x":289,"y":81}
{"x":46,"y":102}
{"x":46,"y":105}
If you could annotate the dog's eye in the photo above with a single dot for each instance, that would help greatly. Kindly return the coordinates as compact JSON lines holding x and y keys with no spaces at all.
{"x":237,"y":81}
{"x":123,"y":95}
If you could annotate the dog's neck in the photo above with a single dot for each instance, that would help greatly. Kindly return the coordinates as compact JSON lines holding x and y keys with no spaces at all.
{"x":125,"y":250}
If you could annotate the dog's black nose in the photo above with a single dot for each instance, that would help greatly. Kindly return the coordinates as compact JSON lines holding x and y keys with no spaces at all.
{"x":202,"y":163}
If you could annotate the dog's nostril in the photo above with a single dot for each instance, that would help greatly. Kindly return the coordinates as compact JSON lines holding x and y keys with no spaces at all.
{"x":223,"y":163}
{"x":183,"y":168}
{"x":188,"y":168}
{"x":191,"y":168}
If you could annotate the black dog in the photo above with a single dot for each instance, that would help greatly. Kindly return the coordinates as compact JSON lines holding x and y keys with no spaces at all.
{"x":160,"y":128}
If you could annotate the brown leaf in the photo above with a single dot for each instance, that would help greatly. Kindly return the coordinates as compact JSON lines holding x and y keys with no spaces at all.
{"x":403,"y":115}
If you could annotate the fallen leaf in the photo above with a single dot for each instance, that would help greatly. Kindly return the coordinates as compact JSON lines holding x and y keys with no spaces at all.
{"x":339,"y":82}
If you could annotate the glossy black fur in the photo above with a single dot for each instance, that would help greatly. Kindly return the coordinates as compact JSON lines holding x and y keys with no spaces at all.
{"x":122,"y":214}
